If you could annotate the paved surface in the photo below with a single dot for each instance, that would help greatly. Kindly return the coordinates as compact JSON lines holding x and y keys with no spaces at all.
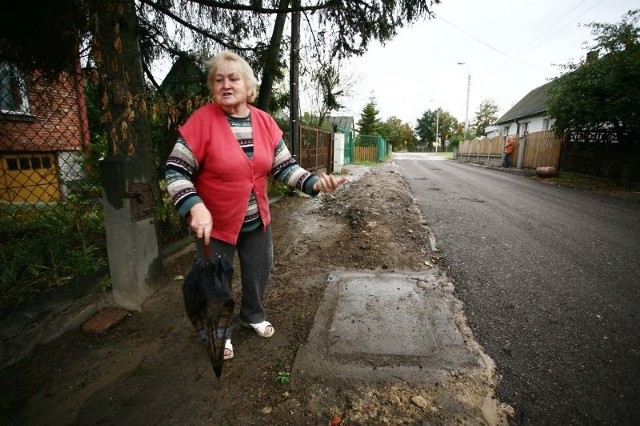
{"x":549,"y":279}
{"x":383,"y":326}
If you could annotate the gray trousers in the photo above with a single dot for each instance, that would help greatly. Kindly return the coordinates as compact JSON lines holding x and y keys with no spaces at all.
{"x":255,"y":251}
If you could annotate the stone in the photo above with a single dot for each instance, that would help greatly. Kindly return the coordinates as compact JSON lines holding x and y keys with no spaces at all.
{"x":546,"y":171}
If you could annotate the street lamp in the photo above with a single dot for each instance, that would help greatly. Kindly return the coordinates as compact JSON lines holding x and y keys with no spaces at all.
{"x":466,"y":115}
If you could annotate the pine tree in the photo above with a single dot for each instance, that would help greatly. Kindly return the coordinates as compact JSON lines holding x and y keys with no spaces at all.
{"x":369,"y":123}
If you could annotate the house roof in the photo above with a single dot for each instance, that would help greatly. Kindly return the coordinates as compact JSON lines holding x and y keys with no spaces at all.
{"x":535,"y":102}
{"x":185,"y":76}
{"x":344,"y":122}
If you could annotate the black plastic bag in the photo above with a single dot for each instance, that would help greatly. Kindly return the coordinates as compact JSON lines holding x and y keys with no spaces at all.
{"x":209,"y":302}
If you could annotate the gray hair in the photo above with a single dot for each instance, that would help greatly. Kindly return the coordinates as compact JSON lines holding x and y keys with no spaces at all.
{"x":245,"y":71}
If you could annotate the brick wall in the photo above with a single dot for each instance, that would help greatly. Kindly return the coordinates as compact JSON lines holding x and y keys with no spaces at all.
{"x":56,"y":120}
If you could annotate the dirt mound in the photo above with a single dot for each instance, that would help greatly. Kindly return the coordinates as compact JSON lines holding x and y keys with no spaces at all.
{"x":149,"y":369}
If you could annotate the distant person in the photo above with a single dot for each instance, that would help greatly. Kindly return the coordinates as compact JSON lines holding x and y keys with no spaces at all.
{"x":217,"y":177}
{"x":508,"y":150}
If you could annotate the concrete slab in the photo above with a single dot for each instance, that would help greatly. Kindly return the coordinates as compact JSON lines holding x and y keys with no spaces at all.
{"x":379,"y":326}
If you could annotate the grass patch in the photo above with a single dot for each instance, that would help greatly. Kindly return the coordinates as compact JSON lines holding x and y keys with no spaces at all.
{"x":47,"y":247}
{"x":584,"y":182}
{"x":276,"y":188}
{"x":364,"y":163}
{"x":140,"y":371}
{"x":443,"y":154}
{"x":599,"y":185}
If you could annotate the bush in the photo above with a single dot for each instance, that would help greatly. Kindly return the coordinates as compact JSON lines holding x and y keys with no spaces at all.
{"x":51,"y":246}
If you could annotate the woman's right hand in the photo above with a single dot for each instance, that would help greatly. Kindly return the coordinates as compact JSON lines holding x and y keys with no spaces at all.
{"x":201,"y":222}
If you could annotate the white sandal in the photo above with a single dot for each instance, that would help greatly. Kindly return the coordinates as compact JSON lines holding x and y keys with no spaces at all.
{"x":263,"y":329}
{"x":227,"y":347}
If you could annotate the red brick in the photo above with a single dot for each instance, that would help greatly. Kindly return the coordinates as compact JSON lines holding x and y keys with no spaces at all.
{"x":104,"y":320}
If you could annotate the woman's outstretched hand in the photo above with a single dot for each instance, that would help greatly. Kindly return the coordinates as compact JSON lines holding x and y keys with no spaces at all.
{"x":328,"y":183}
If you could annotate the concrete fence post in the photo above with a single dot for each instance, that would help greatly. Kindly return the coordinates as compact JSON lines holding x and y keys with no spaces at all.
{"x":338,"y":151}
{"x":521,"y":147}
{"x":135,"y":262}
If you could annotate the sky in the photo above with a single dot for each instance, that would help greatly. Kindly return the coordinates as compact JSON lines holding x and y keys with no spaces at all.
{"x":508,"y":47}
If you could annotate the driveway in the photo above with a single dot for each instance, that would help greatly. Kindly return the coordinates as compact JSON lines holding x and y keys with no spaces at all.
{"x":549,"y":278}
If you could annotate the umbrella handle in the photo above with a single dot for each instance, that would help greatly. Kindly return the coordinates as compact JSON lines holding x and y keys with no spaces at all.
{"x":201,"y":249}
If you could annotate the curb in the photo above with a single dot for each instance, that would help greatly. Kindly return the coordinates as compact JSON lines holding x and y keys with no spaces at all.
{"x":47,"y":320}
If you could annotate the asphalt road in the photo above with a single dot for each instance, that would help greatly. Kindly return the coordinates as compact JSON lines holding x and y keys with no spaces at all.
{"x":550,"y":279}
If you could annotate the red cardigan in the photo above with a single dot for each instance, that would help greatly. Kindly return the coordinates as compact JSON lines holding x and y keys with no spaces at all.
{"x":226,"y":175}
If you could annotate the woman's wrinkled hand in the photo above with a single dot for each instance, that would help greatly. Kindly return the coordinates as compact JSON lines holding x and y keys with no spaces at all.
{"x":328,"y":183}
{"x":201,"y":222}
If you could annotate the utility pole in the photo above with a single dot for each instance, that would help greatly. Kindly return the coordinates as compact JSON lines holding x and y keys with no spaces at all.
{"x":466,"y":115}
{"x":437,"y":128}
{"x":293,"y":76}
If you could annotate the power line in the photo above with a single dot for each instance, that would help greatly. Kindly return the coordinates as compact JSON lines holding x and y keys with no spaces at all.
{"x":565,"y":26}
{"x":553,"y":24}
{"x":490,"y":46}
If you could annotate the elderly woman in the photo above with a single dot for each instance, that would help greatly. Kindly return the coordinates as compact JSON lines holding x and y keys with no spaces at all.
{"x":217,"y":177}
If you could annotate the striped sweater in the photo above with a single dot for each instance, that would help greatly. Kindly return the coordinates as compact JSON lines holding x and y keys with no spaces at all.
{"x":181,"y":168}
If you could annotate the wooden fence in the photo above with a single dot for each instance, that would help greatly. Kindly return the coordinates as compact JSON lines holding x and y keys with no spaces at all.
{"x":542,"y":149}
{"x":371,"y":148}
{"x":532,"y":150}
{"x":365,"y":153}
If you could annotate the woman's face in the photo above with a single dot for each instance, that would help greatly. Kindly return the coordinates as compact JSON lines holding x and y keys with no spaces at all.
{"x":230,"y":89}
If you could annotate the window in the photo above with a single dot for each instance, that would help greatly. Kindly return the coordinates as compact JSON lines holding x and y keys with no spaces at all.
{"x":25,"y":164}
{"x":28,"y":162}
{"x":545,"y":124}
{"x":12,"y":164}
{"x":13,"y":92}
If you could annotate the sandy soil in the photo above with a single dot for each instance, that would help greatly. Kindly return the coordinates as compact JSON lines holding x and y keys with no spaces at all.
{"x":149,"y":369}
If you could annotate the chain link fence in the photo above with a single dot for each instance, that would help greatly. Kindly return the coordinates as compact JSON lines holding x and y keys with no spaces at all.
{"x":52,"y":227}
{"x":51,"y":218}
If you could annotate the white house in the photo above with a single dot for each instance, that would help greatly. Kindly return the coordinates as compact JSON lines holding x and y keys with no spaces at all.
{"x":527,"y":116}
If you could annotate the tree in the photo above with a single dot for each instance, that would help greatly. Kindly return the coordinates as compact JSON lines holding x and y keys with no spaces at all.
{"x":426,"y":126}
{"x":42,"y":34}
{"x":486,"y":115}
{"x":603,"y":90}
{"x":390,"y":130}
{"x":244,"y":28}
{"x":325,"y":92}
{"x":369,"y":123}
{"x":445,"y":123}
{"x":170,"y":28}
{"x":408,"y":137}
{"x":397,"y":133}
{"x":115,"y":51}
